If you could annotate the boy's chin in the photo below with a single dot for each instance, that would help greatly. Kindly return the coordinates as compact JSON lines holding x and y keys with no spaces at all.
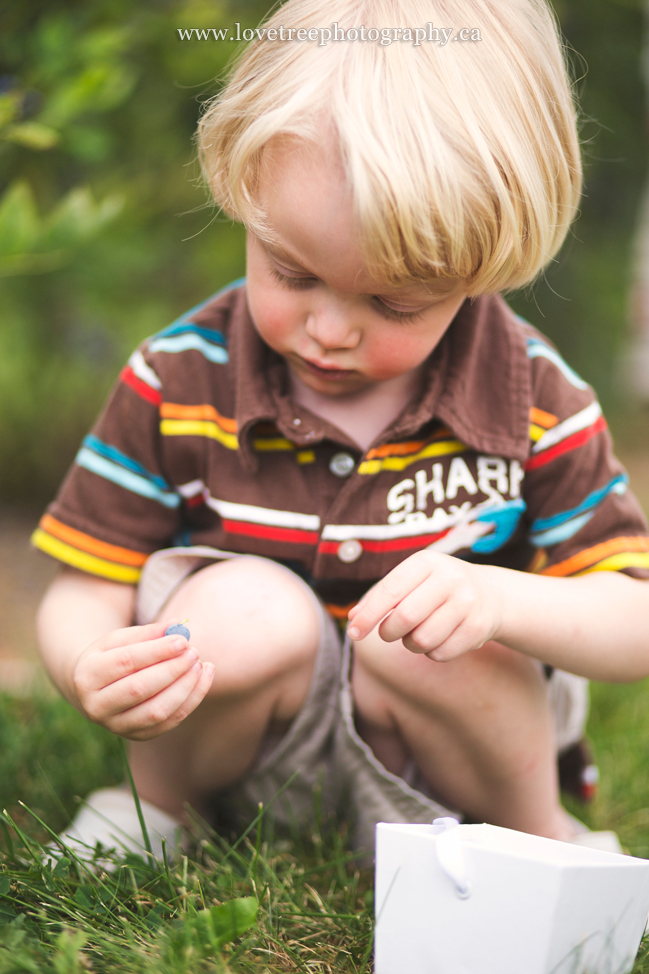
{"x":340,"y":384}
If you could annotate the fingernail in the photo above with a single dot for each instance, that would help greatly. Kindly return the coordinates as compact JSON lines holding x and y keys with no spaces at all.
{"x":178,"y":644}
{"x":354,"y":633}
{"x":191,"y":653}
{"x":197,"y":666}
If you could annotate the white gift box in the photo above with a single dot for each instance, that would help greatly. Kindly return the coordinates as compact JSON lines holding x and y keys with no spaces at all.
{"x":476,"y":899}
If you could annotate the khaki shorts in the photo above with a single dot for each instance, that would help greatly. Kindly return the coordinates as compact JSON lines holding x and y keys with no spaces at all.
{"x":322,"y":754}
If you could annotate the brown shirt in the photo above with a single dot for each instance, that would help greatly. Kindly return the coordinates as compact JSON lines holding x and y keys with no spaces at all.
{"x":503,"y":458}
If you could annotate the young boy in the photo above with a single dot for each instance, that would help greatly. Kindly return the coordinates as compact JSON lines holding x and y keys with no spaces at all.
{"x":362,"y":429}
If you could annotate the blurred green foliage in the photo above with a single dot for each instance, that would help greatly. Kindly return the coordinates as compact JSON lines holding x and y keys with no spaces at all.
{"x":104,"y":232}
{"x":583,"y":301}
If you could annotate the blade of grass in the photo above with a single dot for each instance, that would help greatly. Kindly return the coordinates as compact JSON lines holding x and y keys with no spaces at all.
{"x":255,"y":858}
{"x":8,"y":839}
{"x":258,"y":817}
{"x":75,"y":858}
{"x":136,"y":799}
{"x":21,"y":835}
{"x":172,"y":888}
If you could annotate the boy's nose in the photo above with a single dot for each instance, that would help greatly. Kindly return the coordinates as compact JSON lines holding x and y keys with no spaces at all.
{"x":332,"y":330}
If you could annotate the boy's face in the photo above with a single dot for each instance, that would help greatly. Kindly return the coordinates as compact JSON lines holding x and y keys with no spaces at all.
{"x":310,"y":294}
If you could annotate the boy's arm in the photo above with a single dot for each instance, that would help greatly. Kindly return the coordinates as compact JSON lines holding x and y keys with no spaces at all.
{"x":596,"y":625}
{"x":77,"y":610}
{"x":131,"y":679}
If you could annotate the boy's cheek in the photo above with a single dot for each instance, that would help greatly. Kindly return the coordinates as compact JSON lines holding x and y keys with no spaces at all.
{"x":396,"y":353}
{"x":271,"y":317}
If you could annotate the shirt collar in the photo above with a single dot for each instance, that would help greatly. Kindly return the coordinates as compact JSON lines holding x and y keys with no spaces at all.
{"x":477,"y":384}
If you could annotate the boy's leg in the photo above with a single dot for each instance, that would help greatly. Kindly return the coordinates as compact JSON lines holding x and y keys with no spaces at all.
{"x":479,"y":728}
{"x":257,"y":623}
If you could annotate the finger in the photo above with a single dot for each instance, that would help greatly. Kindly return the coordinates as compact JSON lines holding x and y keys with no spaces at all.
{"x":99,"y":670}
{"x":413,"y":610}
{"x":130,"y":635}
{"x":146,"y":683}
{"x":388,"y":593}
{"x":156,"y":710}
{"x":461,"y":640}
{"x":195,"y":698}
{"x":434,"y":631}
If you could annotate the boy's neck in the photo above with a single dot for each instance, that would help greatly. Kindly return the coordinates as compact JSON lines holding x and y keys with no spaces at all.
{"x":364,"y":414}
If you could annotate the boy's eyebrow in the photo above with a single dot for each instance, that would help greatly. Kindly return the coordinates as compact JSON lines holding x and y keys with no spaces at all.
{"x":279,"y":251}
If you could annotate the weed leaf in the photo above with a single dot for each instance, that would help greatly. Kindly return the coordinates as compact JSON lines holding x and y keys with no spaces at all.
{"x":230,"y":920}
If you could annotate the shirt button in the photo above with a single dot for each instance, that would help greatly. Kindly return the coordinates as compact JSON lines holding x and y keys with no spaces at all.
{"x":350,"y":551}
{"x":342,"y":464}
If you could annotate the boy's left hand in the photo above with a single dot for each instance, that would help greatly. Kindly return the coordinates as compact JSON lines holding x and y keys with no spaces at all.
{"x":436,"y":604}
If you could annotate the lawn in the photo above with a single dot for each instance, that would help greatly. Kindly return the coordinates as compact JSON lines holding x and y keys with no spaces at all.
{"x":313,"y":904}
{"x":245,"y":904}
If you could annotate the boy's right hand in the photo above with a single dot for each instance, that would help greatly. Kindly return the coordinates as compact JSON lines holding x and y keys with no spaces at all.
{"x":139,"y":683}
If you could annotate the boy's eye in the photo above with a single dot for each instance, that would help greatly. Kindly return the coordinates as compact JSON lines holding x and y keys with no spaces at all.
{"x":300,"y":283}
{"x":389,"y":312}
{"x":292,"y":282}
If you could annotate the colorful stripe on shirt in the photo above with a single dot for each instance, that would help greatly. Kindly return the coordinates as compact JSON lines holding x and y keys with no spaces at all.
{"x":109,"y":462}
{"x":191,"y":337}
{"x":499,"y":520}
{"x":265,"y":522}
{"x":205,"y":420}
{"x":567,"y":436}
{"x":141,"y":378}
{"x":549,"y":531}
{"x":540,"y":423}
{"x":201,"y":420}
{"x":181,"y":335}
{"x":89,"y":554}
{"x":187,"y":336}
{"x":538,"y":349}
{"x":340,"y":612}
{"x":398,"y":456}
{"x":610,"y":556}
{"x":278,"y":443}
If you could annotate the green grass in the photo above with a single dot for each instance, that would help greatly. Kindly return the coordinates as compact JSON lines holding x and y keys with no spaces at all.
{"x":248,"y":905}
{"x":315,"y":903}
{"x":312,"y":904}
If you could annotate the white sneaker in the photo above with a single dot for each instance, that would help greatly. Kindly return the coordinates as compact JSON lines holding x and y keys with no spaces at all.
{"x":109,"y":816}
{"x":604,"y":841}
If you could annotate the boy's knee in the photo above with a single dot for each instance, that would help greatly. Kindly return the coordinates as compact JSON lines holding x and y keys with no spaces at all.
{"x":255,"y":620}
{"x":388,"y":671}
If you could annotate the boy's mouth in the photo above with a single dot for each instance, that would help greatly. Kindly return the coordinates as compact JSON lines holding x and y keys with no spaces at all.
{"x":326,"y":372}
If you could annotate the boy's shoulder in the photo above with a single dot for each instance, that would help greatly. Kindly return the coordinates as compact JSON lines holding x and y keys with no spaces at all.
{"x":210,"y":372}
{"x":499,"y":373}
{"x":196,"y":353}
{"x":488,"y":331}
{"x":205,"y":327}
{"x":555,"y":386}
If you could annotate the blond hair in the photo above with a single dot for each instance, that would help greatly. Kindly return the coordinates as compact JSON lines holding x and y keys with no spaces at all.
{"x":463,"y":159}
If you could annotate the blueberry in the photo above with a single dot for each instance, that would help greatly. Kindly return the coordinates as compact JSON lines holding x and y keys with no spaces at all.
{"x":177,"y":630}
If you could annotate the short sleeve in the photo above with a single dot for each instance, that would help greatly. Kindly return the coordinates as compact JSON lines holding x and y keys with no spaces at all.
{"x":582,"y":516}
{"x":116,"y":505}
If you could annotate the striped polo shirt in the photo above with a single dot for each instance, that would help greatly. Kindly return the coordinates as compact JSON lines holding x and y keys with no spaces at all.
{"x":502,"y":458}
